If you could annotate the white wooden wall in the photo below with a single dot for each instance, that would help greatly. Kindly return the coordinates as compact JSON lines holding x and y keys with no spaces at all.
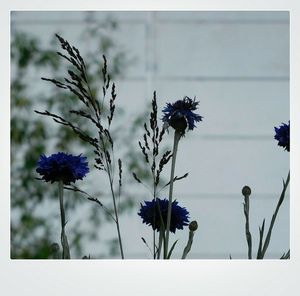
{"x":237,"y":65}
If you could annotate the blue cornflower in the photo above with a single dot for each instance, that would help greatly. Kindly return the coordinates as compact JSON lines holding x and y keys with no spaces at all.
{"x":180,"y":114}
{"x":282,"y":135}
{"x":62,"y":167}
{"x":151,"y":216}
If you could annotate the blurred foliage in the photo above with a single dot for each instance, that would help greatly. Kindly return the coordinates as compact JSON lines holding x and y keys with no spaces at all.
{"x":34,"y":204}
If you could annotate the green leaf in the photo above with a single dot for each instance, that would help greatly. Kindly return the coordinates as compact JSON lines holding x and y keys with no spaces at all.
{"x":172,"y":248}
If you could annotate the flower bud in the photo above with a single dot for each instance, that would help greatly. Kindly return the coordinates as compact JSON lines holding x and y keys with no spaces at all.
{"x":193,"y":226}
{"x":246,"y":191}
{"x":86,"y":257}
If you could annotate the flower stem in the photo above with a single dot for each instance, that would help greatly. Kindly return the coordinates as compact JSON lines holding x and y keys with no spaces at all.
{"x":248,"y":233}
{"x":64,"y":240}
{"x":281,"y":198}
{"x":154,"y":238}
{"x":110,"y":177}
{"x":177,"y":136}
{"x":154,"y":218}
{"x":160,"y":243}
{"x":117,"y":218}
{"x":188,"y":245}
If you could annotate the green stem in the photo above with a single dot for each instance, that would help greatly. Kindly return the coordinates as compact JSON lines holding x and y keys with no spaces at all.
{"x":154,"y":238}
{"x":160,"y":240}
{"x":110,"y":177}
{"x":117,"y":218}
{"x":281,"y":198}
{"x":188,"y":245}
{"x":154,"y":252}
{"x":247,"y":228}
{"x":177,"y":136}
{"x":162,"y":230}
{"x":64,"y":240}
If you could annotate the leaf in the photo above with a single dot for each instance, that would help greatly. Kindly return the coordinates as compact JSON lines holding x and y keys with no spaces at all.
{"x":136,"y":178}
{"x":176,"y":179}
{"x":286,"y":255}
{"x":172,"y":248}
{"x":261,"y":235}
